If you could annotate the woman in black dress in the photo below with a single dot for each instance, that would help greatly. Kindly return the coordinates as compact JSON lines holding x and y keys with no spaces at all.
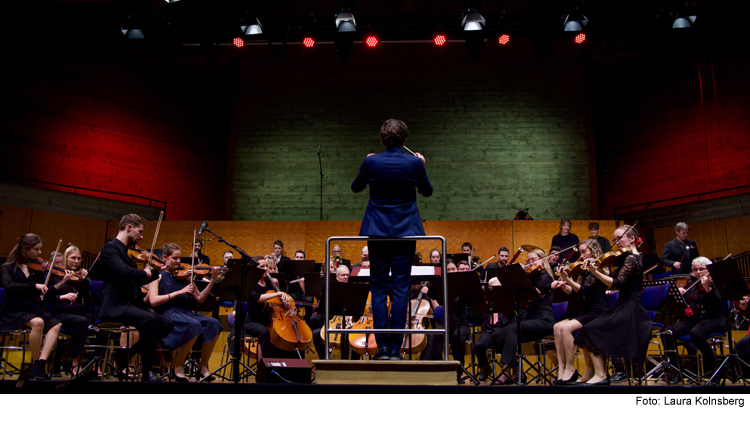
{"x":537,"y":320}
{"x":706,"y":316}
{"x":171,"y":298}
{"x":71,"y":303}
{"x":23,"y":305}
{"x":625,"y":329}
{"x":594,"y":305}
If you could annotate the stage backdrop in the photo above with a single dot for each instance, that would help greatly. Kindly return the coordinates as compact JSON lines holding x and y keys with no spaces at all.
{"x":509,"y":131}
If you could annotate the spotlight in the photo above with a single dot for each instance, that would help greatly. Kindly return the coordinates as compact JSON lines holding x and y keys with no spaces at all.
{"x":308,"y":42}
{"x":238,"y":42}
{"x":473,"y":21}
{"x":345,"y":21}
{"x":685,"y":17}
{"x":252,"y":26}
{"x":440,"y":40}
{"x":371,"y":41}
{"x":504,"y":39}
{"x":580,"y":38}
{"x":575,"y":21}
{"x":131,"y":29}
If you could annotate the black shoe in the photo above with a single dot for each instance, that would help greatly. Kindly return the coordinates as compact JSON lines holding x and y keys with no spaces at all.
{"x":461,"y":381}
{"x":484,"y":374}
{"x":396,"y":355}
{"x":605,"y":381}
{"x":199,"y":377}
{"x":150,"y":376}
{"x":383,"y":354}
{"x":619,"y":377}
{"x":37,"y":371}
{"x":571,"y":381}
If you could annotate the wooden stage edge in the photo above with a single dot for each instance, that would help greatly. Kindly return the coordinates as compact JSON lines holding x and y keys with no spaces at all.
{"x":385,"y":372}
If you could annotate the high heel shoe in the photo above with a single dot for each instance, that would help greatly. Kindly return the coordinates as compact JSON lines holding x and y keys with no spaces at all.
{"x":199,"y":376}
{"x":178,"y":379}
{"x":571,"y":380}
{"x":38,"y":372}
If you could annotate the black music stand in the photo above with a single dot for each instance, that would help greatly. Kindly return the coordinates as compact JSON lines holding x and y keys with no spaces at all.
{"x":731,"y":284}
{"x":296,"y":269}
{"x":241,"y":279}
{"x":314,"y":283}
{"x":498,"y":300}
{"x":347,"y":299}
{"x":516,"y":283}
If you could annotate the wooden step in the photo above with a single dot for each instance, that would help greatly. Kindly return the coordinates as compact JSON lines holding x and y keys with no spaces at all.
{"x":378,"y":372}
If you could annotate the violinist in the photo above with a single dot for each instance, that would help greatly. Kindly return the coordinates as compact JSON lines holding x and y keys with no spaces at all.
{"x":171,"y":298}
{"x":491,"y":323}
{"x":226,"y":256}
{"x":706,"y":316}
{"x":625,"y":329}
{"x":122,"y":282}
{"x":23,"y":306}
{"x":198,"y":254}
{"x":594,"y":305}
{"x":71,"y":303}
{"x":537,"y":319}
{"x":554,"y":257}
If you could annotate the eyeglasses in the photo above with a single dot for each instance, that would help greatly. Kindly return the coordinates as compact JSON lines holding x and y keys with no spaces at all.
{"x":699,"y":268}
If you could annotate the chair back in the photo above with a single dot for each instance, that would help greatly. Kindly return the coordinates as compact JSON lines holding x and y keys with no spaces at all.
{"x":612,"y":298}
{"x":438,"y":313}
{"x":559,"y":309}
{"x":96,"y":290}
{"x":2,"y":297}
{"x":654,"y":298}
{"x":231,"y":318}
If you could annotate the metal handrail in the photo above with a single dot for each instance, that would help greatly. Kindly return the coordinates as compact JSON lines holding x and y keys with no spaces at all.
{"x":384,"y":330}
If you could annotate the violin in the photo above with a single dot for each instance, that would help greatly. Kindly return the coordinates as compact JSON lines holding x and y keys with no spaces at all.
{"x":139,"y":255}
{"x":573,"y":269}
{"x":185,"y":271}
{"x":611,"y":257}
{"x":420,"y":309}
{"x":288,"y":331}
{"x":533,"y":269}
{"x":41,"y":265}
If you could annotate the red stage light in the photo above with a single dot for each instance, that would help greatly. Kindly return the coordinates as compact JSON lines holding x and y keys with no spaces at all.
{"x":504,"y":39}
{"x":308,"y":42}
{"x":580,"y":38}
{"x":440,"y":40}
{"x":239,"y":42}
{"x":371,"y":41}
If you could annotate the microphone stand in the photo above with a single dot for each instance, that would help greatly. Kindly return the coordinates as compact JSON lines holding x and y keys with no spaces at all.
{"x":235,"y":247}
{"x":320,"y":163}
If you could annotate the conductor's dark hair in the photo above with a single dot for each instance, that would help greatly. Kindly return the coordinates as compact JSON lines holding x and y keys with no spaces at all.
{"x":393,"y":133}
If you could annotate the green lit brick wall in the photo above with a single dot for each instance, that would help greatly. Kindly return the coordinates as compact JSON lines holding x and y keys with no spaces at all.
{"x":504,"y":133}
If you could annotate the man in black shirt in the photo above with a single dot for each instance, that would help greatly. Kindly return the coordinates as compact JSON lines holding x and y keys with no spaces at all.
{"x":680,"y":252}
{"x":603,"y":241}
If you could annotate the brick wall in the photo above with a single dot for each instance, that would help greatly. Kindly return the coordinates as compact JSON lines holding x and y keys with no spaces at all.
{"x":114,"y":121}
{"x":671,"y":125}
{"x":504,"y":133}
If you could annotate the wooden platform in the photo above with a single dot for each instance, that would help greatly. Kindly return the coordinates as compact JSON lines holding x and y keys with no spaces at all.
{"x":375,"y":372}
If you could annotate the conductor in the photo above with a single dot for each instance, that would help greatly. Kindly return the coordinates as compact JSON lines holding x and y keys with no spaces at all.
{"x":394,"y":177}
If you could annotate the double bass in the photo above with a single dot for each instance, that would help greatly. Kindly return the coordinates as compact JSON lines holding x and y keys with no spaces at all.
{"x":288,"y":331}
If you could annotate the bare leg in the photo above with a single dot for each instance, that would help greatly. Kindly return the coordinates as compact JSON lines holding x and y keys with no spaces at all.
{"x":589,"y":373}
{"x":206,"y":351}
{"x":35,"y":337}
{"x":49,"y":341}
{"x":600,"y":372}
{"x":570,"y":326}
{"x":562,"y":361}
{"x":179,"y":356}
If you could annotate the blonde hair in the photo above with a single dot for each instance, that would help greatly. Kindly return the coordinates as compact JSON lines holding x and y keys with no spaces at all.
{"x":545,"y":261}
{"x":594,"y":246}
{"x":69,"y":250}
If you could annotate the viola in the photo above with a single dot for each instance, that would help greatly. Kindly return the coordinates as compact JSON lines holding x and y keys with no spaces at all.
{"x":288,"y":331}
{"x":420,"y":309}
{"x":41,"y":265}
{"x":139,"y":255}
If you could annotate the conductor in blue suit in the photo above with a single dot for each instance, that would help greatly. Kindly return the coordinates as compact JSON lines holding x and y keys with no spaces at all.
{"x":394,"y":178}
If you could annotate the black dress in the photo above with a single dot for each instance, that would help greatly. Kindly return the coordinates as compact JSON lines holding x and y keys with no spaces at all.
{"x":22,"y":300}
{"x":625,"y":329}
{"x":75,"y":316}
{"x":594,"y":299}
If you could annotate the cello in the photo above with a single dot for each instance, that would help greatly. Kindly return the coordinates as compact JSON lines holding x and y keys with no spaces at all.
{"x":364,"y":343}
{"x":288,"y":332}
{"x":420,"y":308}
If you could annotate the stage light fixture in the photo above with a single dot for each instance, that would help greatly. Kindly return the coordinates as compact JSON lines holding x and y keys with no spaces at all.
{"x":580,"y":38}
{"x":252,"y":26}
{"x":575,"y":21}
{"x":131,"y":29}
{"x":238,"y":42}
{"x":503,"y":39}
{"x":440,"y":40}
{"x":345,"y":22}
{"x":685,"y":17}
{"x":308,"y":42}
{"x":371,"y":41}
{"x":473,"y":21}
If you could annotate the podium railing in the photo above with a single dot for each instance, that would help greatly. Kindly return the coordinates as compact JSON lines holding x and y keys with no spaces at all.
{"x":445,"y":331}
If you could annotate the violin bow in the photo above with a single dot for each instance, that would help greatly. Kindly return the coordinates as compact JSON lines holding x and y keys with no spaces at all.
{"x":52,"y":265}
{"x":192,"y":262}
{"x":156,"y":235}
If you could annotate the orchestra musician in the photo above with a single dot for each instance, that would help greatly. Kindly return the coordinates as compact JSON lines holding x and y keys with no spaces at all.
{"x":435,"y":256}
{"x":71,"y":303}
{"x":278,"y":251}
{"x":392,"y":212}
{"x":299,"y":255}
{"x":565,"y":239}
{"x":318,"y":319}
{"x":171,"y":298}
{"x":603,"y":241}
{"x":23,"y":306}
{"x":365,"y":255}
{"x":594,"y":305}
{"x":503,"y":254}
{"x":625,"y":329}
{"x":706,"y":316}
{"x":537,"y":320}
{"x":490,"y":323}
{"x":122,"y":282}
{"x":198,"y":254}
{"x":226,"y":256}
{"x":680,"y":252}
{"x":336,"y":250}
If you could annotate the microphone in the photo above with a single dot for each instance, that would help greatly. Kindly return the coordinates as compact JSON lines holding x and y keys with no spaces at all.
{"x":203,"y":227}
{"x":318,"y":150}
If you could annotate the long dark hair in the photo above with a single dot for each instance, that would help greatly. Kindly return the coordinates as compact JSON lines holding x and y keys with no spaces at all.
{"x":26,"y":241}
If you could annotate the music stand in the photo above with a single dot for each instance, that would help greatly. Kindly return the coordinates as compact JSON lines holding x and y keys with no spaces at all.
{"x":498,"y":301}
{"x":296,"y":269}
{"x":241,"y":279}
{"x":347,"y":299}
{"x":314,"y":284}
{"x":731,"y":284}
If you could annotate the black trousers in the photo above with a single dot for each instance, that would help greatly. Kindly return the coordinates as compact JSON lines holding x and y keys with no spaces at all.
{"x":506,"y":338}
{"x":742,"y":348}
{"x":151,"y":328}
{"x":77,"y":327}
{"x":699,"y":332}
{"x":483,"y":343}
{"x":260,"y":332}
{"x":434,"y":348}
